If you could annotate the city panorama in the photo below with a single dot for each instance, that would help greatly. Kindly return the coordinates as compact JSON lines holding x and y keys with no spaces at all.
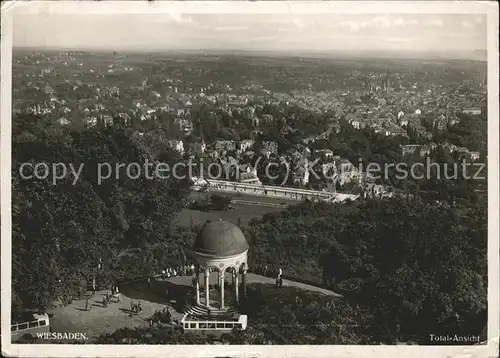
{"x":260,"y":219}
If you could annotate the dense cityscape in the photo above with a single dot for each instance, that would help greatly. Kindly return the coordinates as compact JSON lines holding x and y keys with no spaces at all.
{"x":419,"y":109}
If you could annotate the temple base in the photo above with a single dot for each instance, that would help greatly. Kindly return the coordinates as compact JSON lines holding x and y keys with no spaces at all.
{"x":201,"y":318}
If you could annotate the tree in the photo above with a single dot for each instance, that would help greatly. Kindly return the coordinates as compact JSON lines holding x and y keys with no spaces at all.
{"x":61,"y":230}
{"x":436,"y":270}
{"x":276,"y":316}
{"x":430,"y":276}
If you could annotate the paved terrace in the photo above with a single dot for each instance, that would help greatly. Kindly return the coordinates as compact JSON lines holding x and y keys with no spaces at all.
{"x":100,"y":320}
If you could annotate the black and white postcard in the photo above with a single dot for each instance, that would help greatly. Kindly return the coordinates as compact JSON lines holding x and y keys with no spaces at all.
{"x":230,"y":179}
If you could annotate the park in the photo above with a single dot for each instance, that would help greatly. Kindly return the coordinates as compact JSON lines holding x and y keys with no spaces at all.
{"x":219,"y":247}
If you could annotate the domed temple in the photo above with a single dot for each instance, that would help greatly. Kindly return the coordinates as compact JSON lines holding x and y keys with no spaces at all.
{"x":220,"y":250}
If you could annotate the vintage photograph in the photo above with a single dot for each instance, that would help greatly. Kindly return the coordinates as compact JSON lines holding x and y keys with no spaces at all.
{"x":253,"y":178}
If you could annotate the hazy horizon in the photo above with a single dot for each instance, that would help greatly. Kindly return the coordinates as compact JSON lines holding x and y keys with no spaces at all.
{"x":478,"y":55}
{"x":454,"y":36}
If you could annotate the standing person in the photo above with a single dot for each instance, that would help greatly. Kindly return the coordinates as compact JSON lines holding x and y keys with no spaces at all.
{"x":87,"y":305}
{"x":168,"y":316}
{"x":279,"y":280}
{"x":118,"y":295}
{"x":93,"y":286}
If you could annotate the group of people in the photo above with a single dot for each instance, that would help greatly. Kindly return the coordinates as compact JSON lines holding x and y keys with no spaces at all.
{"x":115,"y":292}
{"x":163,"y":316}
{"x":135,"y":307}
{"x":267,"y":270}
{"x":185,"y":270}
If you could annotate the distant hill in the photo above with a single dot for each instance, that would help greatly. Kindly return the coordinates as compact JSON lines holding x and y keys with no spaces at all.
{"x":474,"y":55}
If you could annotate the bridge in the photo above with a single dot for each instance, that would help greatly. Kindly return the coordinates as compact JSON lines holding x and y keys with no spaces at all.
{"x":270,"y":191}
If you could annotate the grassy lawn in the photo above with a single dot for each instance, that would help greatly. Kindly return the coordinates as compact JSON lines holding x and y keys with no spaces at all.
{"x":245,"y":213}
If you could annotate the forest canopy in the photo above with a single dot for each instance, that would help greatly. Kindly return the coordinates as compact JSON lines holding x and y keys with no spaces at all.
{"x":413,"y":266}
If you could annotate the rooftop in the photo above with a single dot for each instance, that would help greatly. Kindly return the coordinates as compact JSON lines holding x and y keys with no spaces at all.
{"x":220,"y":239}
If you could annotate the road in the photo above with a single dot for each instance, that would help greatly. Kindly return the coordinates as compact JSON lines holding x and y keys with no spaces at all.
{"x":278,"y":192}
{"x":259,"y":203}
{"x":254,"y":278}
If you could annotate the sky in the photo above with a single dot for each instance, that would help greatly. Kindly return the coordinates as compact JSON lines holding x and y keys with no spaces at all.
{"x":453,"y":33}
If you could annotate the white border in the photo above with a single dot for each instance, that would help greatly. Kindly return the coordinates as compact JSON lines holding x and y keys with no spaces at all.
{"x":110,"y":7}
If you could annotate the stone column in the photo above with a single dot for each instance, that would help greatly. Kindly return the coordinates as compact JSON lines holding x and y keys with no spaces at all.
{"x":244,"y":281}
{"x":207,"y":287}
{"x":236,"y":286}
{"x":221,"y":275}
{"x":197,"y":292}
{"x":197,"y":277}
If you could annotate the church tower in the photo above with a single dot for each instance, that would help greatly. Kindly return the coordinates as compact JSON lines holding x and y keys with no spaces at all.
{"x":387,"y":82}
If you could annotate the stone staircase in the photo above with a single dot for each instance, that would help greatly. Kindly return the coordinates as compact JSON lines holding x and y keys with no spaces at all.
{"x":203,"y":313}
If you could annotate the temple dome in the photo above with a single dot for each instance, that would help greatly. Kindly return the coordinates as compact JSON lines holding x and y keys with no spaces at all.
{"x":220,"y":239}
